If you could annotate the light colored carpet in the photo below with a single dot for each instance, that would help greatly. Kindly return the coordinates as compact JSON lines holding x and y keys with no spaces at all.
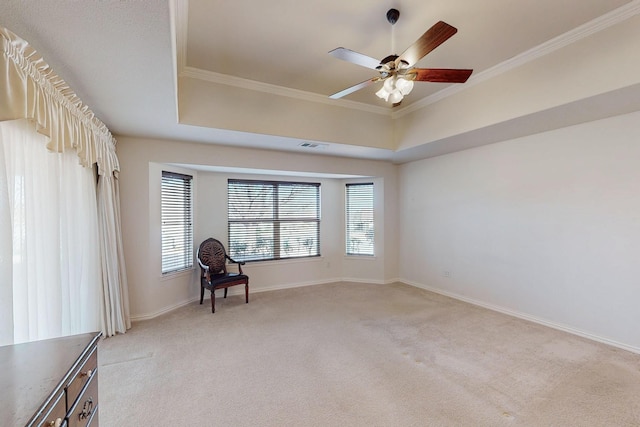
{"x":350,"y":354}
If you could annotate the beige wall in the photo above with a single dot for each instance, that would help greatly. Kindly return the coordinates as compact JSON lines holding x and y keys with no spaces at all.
{"x":142,"y":162}
{"x":208,"y":104}
{"x":546,"y":227}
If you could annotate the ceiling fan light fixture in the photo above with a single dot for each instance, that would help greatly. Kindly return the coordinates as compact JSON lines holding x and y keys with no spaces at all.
{"x":394,"y":89}
{"x":383,"y":94}
{"x":404,"y":86}
{"x":395,"y":97}
{"x":390,"y":84}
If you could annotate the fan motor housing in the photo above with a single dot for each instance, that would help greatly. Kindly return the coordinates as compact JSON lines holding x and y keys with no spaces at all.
{"x":393,"y":15}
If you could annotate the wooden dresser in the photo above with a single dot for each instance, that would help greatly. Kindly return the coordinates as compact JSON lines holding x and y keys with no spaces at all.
{"x":50,"y":382}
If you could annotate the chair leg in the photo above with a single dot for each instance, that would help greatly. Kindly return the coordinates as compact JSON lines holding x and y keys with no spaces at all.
{"x":201,"y":293}
{"x":213,"y":301}
{"x":225,"y":292}
{"x":246,"y":292}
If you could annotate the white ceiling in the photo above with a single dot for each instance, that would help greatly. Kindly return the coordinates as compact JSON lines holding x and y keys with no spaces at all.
{"x":122,"y":57}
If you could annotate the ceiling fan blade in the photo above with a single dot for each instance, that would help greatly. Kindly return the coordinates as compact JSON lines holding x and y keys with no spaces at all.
{"x":441,"y":75}
{"x":430,"y":40}
{"x":354,"y":57}
{"x":354,"y":88}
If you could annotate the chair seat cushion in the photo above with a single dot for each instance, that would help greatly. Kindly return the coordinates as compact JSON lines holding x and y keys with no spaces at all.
{"x":224,"y":279}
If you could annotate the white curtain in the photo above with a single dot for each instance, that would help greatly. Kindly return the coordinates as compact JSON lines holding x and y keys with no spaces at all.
{"x":61,"y":260}
{"x":51,"y":201}
{"x":115,"y":297}
{"x":6,"y":258}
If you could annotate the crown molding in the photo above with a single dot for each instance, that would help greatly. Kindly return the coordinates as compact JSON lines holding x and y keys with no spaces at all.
{"x":592,"y":27}
{"x":180,"y":10}
{"x":178,"y":14}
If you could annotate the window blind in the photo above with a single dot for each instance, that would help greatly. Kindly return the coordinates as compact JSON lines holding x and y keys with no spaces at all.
{"x":177,"y":224}
{"x":271,"y":220}
{"x":360,"y":230}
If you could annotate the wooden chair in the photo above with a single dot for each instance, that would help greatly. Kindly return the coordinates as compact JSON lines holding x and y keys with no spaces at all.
{"x":213,"y":258}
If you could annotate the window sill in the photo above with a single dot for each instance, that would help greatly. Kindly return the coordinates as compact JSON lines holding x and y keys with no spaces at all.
{"x":361,"y":257}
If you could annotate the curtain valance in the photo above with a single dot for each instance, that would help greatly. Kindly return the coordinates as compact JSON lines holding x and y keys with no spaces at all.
{"x":31,"y":90}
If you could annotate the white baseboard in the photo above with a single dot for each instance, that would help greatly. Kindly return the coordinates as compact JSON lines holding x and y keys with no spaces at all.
{"x":354,"y":280}
{"x":525,"y":316}
{"x":165,"y":310}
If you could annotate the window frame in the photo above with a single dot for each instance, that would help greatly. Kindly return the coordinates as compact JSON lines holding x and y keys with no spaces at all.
{"x":349,"y":227}
{"x":276,"y":220}
{"x":183,"y":260}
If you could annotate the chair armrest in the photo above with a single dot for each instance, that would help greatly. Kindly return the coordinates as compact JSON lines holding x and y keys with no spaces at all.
{"x":234,"y":261}
{"x":204,"y":269}
{"x":240,"y":263}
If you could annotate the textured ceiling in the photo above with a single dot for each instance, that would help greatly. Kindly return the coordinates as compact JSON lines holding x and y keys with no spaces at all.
{"x":118,"y":57}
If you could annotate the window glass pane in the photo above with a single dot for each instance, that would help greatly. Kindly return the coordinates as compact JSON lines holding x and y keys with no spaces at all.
{"x":298,"y":201}
{"x":177,"y":226}
{"x":273,"y":220}
{"x":298,"y":239}
{"x":250,"y":201}
{"x":251,"y":240}
{"x":360,"y":231}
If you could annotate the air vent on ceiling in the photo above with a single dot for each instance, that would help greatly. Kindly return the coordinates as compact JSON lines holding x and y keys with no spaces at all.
{"x":313,"y":145}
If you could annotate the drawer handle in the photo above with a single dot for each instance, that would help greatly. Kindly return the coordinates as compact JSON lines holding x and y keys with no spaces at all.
{"x":87,"y":409}
{"x":56,"y":423}
{"x":86,"y":374}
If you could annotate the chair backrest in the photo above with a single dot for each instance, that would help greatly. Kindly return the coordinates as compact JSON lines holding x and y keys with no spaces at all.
{"x":212,"y":256}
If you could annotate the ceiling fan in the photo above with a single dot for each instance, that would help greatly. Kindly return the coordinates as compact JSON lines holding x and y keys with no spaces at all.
{"x":398,"y":72}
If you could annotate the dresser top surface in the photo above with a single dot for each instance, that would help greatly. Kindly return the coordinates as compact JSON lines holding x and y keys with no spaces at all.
{"x":31,"y":372}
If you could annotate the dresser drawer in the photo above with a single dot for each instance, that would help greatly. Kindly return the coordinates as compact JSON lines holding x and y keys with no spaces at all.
{"x":81,"y":377}
{"x":36,"y":376}
{"x":55,"y":415}
{"x":84,"y":412}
